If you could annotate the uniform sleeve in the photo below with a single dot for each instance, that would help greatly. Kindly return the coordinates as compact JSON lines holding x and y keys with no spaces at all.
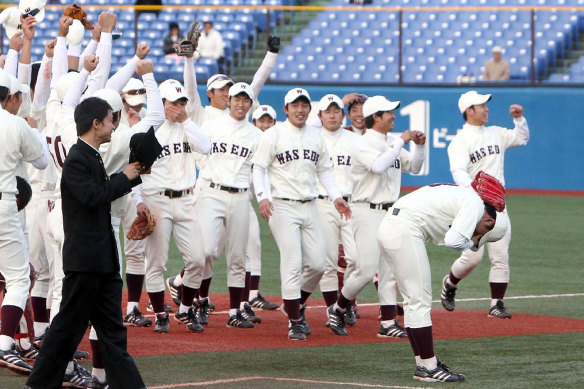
{"x":197,"y":138}
{"x":31,"y":146}
{"x":415,"y":159}
{"x":11,"y":63}
{"x":263,"y":73}
{"x":60,"y":63}
{"x":100,"y":75}
{"x":325,"y":163}
{"x":518,"y":136}
{"x":363,"y":155}
{"x":123,"y":75}
{"x":42,"y":88}
{"x":264,"y":154}
{"x":467,"y":217}
{"x":155,"y":113}
{"x":457,"y":241}
{"x":386,"y":160}
{"x":73,"y":95}
{"x":195,"y":109}
{"x":458,"y":158}
{"x":89,"y":50}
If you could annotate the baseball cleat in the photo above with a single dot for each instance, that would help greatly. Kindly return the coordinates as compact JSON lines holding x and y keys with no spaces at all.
{"x":296,"y":330}
{"x":203,"y":311}
{"x":79,"y":354}
{"x":238,"y":321}
{"x":12,"y":360}
{"x":136,"y":319}
{"x":95,"y":383}
{"x":350,"y":317}
{"x":447,"y":295}
{"x":260,"y":302}
{"x":393,"y":331}
{"x":439,"y":374}
{"x":249,"y":315}
{"x":498,"y":311}
{"x":190,"y":320}
{"x":211,"y":306}
{"x":27,"y":355}
{"x":167,"y":308}
{"x":162,"y":325}
{"x":303,"y":321}
{"x":336,"y":320}
{"x":175,"y":290}
{"x":78,"y":378}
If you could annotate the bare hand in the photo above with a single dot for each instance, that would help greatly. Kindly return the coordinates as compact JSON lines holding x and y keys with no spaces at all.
{"x":266,"y":207}
{"x":16,"y":41}
{"x":31,"y":122}
{"x":90,"y":63}
{"x":408,"y":136}
{"x":64,"y":23}
{"x":96,"y":32}
{"x":142,"y":50}
{"x":350,"y":97}
{"x":419,"y":138}
{"x":343,"y":208}
{"x":50,"y":48}
{"x":177,"y":113}
{"x":144,"y":67}
{"x":132,"y":171}
{"x":142,"y":209}
{"x":28,"y":25}
{"x":133,"y":117}
{"x":107,"y":21}
{"x":516,"y":111}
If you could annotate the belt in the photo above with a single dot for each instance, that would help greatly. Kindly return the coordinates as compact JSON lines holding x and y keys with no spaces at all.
{"x":227,"y":188}
{"x":294,"y":201}
{"x":175,"y":193}
{"x":346,"y":198}
{"x":382,"y":206}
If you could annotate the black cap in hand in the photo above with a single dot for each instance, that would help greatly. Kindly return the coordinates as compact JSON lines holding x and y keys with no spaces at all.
{"x":274,"y":44}
{"x":145,"y":148}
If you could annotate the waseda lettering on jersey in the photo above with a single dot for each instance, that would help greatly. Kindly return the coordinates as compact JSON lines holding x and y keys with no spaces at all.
{"x":240,"y":151}
{"x":293,"y":155}
{"x":479,"y":154}
{"x":343,"y":160}
{"x":175,"y":148}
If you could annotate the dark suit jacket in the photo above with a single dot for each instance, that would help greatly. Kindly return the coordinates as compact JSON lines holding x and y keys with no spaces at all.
{"x":87,"y":193}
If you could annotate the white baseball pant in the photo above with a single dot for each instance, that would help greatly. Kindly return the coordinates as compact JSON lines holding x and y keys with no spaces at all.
{"x":133,"y":249}
{"x":37,"y":213}
{"x":254,"y":245}
{"x":55,"y":238}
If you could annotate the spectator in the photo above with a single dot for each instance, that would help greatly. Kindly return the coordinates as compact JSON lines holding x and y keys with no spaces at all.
{"x":496,"y":68}
{"x":172,"y":40}
{"x":210,"y":43}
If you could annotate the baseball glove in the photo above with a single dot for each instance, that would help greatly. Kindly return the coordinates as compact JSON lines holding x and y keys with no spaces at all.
{"x":142,"y":226}
{"x":489,"y":190}
{"x":191,"y":41}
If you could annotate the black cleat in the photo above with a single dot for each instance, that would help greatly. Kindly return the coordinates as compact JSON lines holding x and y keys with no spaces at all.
{"x":303,"y":322}
{"x":249,"y":315}
{"x":162,"y":325}
{"x":336,"y":320}
{"x":203,"y":312}
{"x":238,"y":321}
{"x":296,"y":330}
{"x":393,"y":331}
{"x":498,"y":311}
{"x":261,"y":303}
{"x":190,"y":320}
{"x":447,"y":295}
{"x":350,"y":317}
{"x":14,"y":362}
{"x":175,"y":290}
{"x":136,"y":319}
{"x":439,"y":374}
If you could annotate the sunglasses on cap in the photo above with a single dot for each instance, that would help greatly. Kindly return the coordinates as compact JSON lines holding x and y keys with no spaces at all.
{"x":221,"y":78}
{"x":136,"y":92}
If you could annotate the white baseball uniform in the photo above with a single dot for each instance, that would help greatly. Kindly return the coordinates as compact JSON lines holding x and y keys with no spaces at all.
{"x":483,"y":148}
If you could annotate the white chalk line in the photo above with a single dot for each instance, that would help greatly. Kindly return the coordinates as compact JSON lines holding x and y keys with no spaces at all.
{"x":301,"y":380}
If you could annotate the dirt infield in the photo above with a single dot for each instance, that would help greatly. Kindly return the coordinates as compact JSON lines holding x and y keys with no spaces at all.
{"x":272,"y":332}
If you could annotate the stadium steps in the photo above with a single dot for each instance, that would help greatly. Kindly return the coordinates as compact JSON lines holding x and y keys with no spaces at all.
{"x":571,"y":58}
{"x":292,"y":25}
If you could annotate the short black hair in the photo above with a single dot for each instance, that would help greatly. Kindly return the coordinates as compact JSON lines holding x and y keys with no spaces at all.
{"x":491,"y":211}
{"x":208,"y":22}
{"x":34,"y":73}
{"x":369,"y":119}
{"x":90,"y":109}
{"x":4,"y":92}
{"x":302,"y":98}
{"x":172,"y":25}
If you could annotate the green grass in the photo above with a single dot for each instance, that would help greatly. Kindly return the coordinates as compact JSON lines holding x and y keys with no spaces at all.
{"x":547,"y":257}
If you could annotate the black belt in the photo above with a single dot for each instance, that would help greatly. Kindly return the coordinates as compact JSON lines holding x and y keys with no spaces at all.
{"x":382,"y":206}
{"x":175,"y":193}
{"x":227,"y":188}
{"x":346,"y":198}
{"x":294,"y":201}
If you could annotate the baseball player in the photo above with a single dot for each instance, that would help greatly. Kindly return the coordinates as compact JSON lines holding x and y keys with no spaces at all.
{"x":378,"y":162}
{"x":224,"y":203}
{"x":355,"y":113}
{"x":449,"y":215}
{"x":18,"y":140}
{"x":168,"y":193}
{"x":339,"y":143}
{"x":133,"y":98}
{"x":295,"y":156}
{"x":480,"y":147}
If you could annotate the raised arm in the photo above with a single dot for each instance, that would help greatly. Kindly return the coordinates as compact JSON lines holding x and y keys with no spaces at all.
{"x":195,"y":109}
{"x":263,"y":72}
{"x":99,"y":76}
{"x":123,"y":75}
{"x":60,"y":65}
{"x":155,"y":112}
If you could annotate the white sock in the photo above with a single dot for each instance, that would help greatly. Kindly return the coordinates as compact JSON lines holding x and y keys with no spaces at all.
{"x":494,"y":302}
{"x":183,"y":308}
{"x":232,"y":312}
{"x":24,"y":343}
{"x":178,"y":280}
{"x":69,"y":368}
{"x":336,"y":306}
{"x":6,"y":342}
{"x":130,"y":306}
{"x":387,"y":323}
{"x":450,"y":283}
{"x":40,"y":328}
{"x":253,"y":294}
{"x":430,"y":363}
{"x":418,"y":360}
{"x":242,"y":304}
{"x":99,"y":374}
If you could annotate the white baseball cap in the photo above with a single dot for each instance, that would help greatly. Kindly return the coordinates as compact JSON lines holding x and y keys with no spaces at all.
{"x":134,"y":92}
{"x":10,"y":18}
{"x":218,"y":81}
{"x":15,"y":85}
{"x":172,"y":90}
{"x":76,"y":32}
{"x":498,"y":231}
{"x":26,"y":6}
{"x":295,"y":94}
{"x":264,"y":110}
{"x":4,"y":79}
{"x":379,"y":104}
{"x":64,"y":83}
{"x":471,"y":98}
{"x":329,"y":99}
{"x":112,"y":97}
{"x":497,"y":49}
{"x":241,"y":87}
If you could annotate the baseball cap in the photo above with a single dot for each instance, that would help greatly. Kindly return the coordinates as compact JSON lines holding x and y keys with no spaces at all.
{"x":134,"y":92}
{"x":172,"y":90}
{"x":64,"y":83}
{"x":26,"y":6}
{"x":471,"y":98}
{"x":10,"y":18}
{"x":76,"y":32}
{"x":295,"y":94}
{"x":264,"y":110}
{"x":497,"y":49}
{"x":112,"y":97}
{"x":241,"y":87}
{"x":379,"y":104}
{"x":218,"y":81}
{"x":329,"y":99}
{"x":498,"y":231}
{"x":15,"y":85}
{"x":4,"y":79}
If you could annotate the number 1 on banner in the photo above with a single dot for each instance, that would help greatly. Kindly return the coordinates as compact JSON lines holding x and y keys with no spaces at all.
{"x":419,"y":113}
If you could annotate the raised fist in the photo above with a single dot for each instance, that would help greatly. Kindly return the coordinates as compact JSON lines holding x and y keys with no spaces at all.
{"x":16,"y":41}
{"x":64,"y":23}
{"x":96,"y":32}
{"x":50,"y":47}
{"x":142,"y":50}
{"x":28,"y":25}
{"x":107,"y":21}
{"x":144,"y":67}
{"x":90,"y":63}
{"x":274,"y":44}
{"x":516,"y":111}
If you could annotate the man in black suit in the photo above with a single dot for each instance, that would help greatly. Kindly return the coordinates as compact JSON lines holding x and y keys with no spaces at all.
{"x":92,"y":287}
